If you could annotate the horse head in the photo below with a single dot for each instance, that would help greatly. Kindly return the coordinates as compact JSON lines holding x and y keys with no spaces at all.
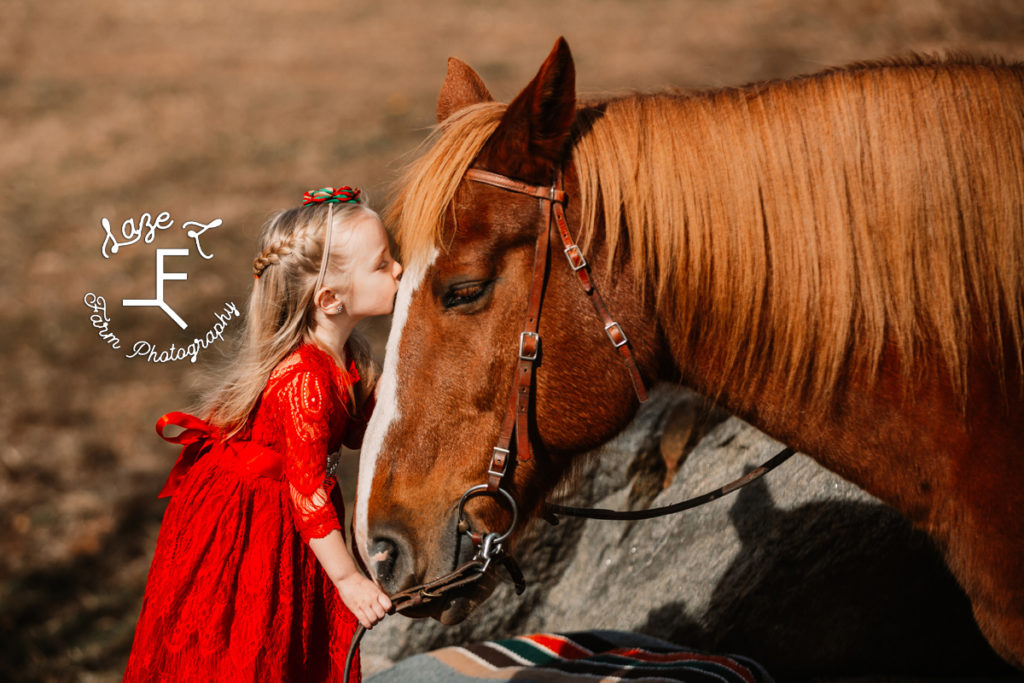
{"x":453,"y":351}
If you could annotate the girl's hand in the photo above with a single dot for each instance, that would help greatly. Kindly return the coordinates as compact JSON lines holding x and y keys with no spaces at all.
{"x":368,"y":602}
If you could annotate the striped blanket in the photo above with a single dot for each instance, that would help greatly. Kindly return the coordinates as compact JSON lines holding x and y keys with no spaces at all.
{"x":583,"y":656}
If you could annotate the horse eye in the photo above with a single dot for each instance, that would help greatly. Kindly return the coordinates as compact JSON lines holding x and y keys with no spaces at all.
{"x":464,"y":294}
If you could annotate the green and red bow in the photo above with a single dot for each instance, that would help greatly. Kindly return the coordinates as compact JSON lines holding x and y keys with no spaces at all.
{"x":332,"y":195}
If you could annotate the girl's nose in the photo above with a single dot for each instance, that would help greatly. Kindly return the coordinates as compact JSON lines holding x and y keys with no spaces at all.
{"x":397,"y":270}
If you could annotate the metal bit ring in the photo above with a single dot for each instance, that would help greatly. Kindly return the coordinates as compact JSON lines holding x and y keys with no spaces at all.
{"x":481,"y":489}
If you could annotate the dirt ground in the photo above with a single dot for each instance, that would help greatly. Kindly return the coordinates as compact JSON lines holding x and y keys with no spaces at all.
{"x":115,"y":108}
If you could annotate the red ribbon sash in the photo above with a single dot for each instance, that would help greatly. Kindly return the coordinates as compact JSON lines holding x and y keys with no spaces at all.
{"x":198,"y":437}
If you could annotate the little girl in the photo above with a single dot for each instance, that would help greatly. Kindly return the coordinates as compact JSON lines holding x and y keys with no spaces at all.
{"x":252,"y":580}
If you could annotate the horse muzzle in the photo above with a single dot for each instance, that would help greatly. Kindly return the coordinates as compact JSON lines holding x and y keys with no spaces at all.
{"x":461,"y":574}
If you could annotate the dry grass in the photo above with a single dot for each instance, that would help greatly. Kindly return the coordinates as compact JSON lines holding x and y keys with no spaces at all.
{"x":231,"y":110}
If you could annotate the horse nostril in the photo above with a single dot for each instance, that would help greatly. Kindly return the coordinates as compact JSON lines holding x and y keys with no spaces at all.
{"x":384,"y":558}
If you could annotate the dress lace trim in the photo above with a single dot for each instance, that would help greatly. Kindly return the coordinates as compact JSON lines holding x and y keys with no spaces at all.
{"x":305,"y":410}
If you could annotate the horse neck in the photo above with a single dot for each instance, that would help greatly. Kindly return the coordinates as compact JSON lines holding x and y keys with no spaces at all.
{"x":713,"y":334}
{"x":778,"y":269}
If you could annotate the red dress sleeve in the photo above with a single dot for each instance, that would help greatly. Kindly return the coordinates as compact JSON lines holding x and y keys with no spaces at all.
{"x":306,"y":399}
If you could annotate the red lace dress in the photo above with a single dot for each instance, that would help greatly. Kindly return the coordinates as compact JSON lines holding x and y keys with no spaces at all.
{"x":235,"y":592}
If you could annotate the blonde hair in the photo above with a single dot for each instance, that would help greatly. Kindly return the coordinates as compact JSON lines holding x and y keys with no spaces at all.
{"x":280,"y":313}
{"x":843,"y":212}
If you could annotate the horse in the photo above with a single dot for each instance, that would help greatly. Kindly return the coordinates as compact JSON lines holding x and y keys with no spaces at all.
{"x":835,"y":258}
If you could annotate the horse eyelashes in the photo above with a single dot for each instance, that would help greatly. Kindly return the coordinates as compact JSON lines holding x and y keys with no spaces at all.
{"x":463,"y":295}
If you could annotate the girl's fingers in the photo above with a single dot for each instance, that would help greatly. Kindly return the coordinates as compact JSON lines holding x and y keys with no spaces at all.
{"x":371,"y":614}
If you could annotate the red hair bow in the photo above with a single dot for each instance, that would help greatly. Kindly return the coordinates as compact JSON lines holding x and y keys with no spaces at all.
{"x":332,"y":195}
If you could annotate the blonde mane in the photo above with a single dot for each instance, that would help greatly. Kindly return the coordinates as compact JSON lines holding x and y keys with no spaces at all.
{"x":802,"y":225}
{"x":426,"y":189}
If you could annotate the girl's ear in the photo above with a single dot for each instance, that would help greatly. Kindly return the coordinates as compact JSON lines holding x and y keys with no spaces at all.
{"x":327,"y":300}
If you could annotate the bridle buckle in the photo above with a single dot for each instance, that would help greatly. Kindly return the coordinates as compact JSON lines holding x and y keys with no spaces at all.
{"x":576,"y":258}
{"x":499,"y":459}
{"x":615,"y":333}
{"x":529,"y":353}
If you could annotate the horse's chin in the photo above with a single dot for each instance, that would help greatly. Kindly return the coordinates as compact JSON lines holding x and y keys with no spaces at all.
{"x":456,"y":611}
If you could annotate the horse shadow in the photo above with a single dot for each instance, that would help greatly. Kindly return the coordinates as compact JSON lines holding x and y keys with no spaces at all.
{"x":834,"y":589}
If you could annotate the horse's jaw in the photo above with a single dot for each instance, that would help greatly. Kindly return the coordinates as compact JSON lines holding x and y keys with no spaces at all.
{"x":456,"y":611}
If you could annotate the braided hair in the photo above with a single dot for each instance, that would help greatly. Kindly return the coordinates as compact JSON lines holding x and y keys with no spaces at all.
{"x":280,"y":312}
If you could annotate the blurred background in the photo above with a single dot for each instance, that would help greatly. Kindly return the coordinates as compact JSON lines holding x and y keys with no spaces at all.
{"x":116,"y":108}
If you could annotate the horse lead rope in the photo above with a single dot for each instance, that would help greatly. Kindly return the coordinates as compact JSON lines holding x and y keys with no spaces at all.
{"x":474,"y":570}
{"x":418,"y":595}
{"x":436,"y":589}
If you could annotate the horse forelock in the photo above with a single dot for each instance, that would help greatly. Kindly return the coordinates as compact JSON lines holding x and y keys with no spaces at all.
{"x":427,"y":186}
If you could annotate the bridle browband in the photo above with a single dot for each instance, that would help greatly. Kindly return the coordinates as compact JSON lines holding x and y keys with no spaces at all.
{"x":516,"y":421}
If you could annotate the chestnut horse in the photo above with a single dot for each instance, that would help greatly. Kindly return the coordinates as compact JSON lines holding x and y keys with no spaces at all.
{"x":835,"y":258}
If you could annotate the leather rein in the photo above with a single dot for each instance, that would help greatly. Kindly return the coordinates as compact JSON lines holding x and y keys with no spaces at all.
{"x":516,"y":422}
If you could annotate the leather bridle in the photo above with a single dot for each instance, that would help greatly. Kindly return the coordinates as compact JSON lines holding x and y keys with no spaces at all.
{"x":516,"y":422}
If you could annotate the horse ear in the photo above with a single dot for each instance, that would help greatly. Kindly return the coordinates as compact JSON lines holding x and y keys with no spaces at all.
{"x":537,"y":123}
{"x":462,"y":87}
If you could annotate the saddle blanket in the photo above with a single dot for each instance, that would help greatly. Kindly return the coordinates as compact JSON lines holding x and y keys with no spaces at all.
{"x":584,"y":656}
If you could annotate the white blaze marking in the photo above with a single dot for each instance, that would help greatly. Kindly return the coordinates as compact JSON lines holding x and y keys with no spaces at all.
{"x":386,"y":411}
